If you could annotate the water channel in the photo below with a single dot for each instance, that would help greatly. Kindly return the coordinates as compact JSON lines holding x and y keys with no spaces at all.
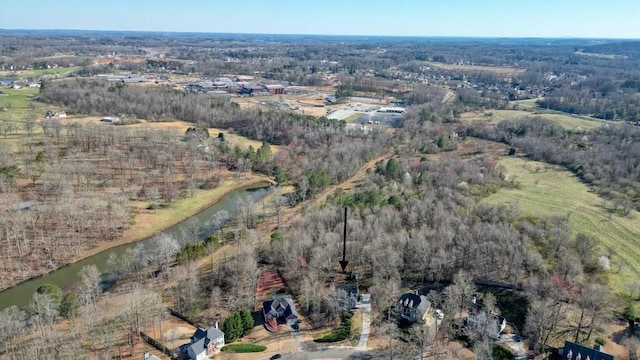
{"x":66,"y":276}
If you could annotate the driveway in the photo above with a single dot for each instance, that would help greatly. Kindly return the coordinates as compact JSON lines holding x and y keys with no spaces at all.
{"x":357,"y":352}
{"x":366,"y":323}
{"x":516,"y":346}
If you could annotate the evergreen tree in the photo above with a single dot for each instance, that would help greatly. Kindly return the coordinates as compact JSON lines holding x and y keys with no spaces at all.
{"x":52,"y":290}
{"x":232,"y":327}
{"x":247,"y":321}
{"x":263,"y":153}
{"x":392,"y":168}
{"x":69,"y":305}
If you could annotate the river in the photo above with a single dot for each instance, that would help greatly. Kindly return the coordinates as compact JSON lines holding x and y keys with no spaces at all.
{"x":67,"y":276}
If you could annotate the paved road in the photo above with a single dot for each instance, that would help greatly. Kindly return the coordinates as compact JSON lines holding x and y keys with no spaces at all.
{"x":334,"y":353}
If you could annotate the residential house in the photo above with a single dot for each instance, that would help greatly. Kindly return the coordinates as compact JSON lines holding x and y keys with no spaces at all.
{"x":205,"y":342}
{"x":349,"y":295}
{"x":478,"y":316}
{"x":573,"y":351}
{"x":281,"y":309}
{"x":413,"y":307}
{"x":495,"y":324}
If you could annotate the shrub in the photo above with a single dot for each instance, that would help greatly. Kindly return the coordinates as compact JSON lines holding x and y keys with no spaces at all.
{"x":244,"y":348}
{"x":341,"y":333}
{"x":500,"y":353}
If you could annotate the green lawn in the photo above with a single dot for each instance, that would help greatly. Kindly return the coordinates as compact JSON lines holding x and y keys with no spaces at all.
{"x":16,"y":103}
{"x":37,"y":73}
{"x":550,"y":190}
{"x":496,"y":116}
{"x":353,"y":117}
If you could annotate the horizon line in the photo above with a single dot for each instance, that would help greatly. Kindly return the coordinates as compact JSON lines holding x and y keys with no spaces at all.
{"x":564,"y":37}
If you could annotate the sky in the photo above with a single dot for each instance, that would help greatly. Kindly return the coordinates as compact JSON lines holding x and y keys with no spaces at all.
{"x":478,"y":18}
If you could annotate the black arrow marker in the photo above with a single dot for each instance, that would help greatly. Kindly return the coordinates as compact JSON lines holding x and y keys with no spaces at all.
{"x":344,"y":262}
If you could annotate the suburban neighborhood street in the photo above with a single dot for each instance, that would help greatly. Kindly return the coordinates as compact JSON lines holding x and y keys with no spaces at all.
{"x":343,"y":352}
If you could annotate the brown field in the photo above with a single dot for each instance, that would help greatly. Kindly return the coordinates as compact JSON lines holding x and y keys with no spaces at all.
{"x":499,"y":70}
{"x":179,"y":127}
{"x":172,"y":332}
{"x":304,"y":105}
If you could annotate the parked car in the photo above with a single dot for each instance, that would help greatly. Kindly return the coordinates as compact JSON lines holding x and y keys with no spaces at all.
{"x":276,"y":356}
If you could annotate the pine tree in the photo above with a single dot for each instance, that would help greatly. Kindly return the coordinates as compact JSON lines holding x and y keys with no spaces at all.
{"x":247,"y":321}
{"x":232,"y":327}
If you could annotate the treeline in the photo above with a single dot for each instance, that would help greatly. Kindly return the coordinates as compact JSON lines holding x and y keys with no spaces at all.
{"x":163,"y":103}
{"x":609,"y":100}
{"x":607,"y":158}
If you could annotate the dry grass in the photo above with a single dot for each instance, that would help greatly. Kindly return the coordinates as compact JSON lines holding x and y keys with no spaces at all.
{"x":172,"y":332}
{"x":179,"y":127}
{"x":280,"y":342}
{"x":550,"y":190}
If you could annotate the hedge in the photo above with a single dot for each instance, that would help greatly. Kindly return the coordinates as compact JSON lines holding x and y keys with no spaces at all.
{"x":339,"y":334}
{"x":244,"y":348}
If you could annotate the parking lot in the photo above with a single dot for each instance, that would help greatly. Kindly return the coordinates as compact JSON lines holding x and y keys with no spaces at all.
{"x":370,"y":114}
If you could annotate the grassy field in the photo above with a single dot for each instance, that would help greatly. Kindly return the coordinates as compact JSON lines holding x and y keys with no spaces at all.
{"x":496,"y":116}
{"x":528,"y":104}
{"x":550,"y":190}
{"x":37,"y":73}
{"x":353,"y":118}
{"x":17,"y":103}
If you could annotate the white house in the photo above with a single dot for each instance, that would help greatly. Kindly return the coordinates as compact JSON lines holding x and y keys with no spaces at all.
{"x":205,"y":342}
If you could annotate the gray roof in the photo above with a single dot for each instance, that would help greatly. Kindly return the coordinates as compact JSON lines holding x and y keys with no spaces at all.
{"x":197,"y":347}
{"x":572,"y":351}
{"x":280,"y":302}
{"x":349,"y":288}
{"x":202,"y":337}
